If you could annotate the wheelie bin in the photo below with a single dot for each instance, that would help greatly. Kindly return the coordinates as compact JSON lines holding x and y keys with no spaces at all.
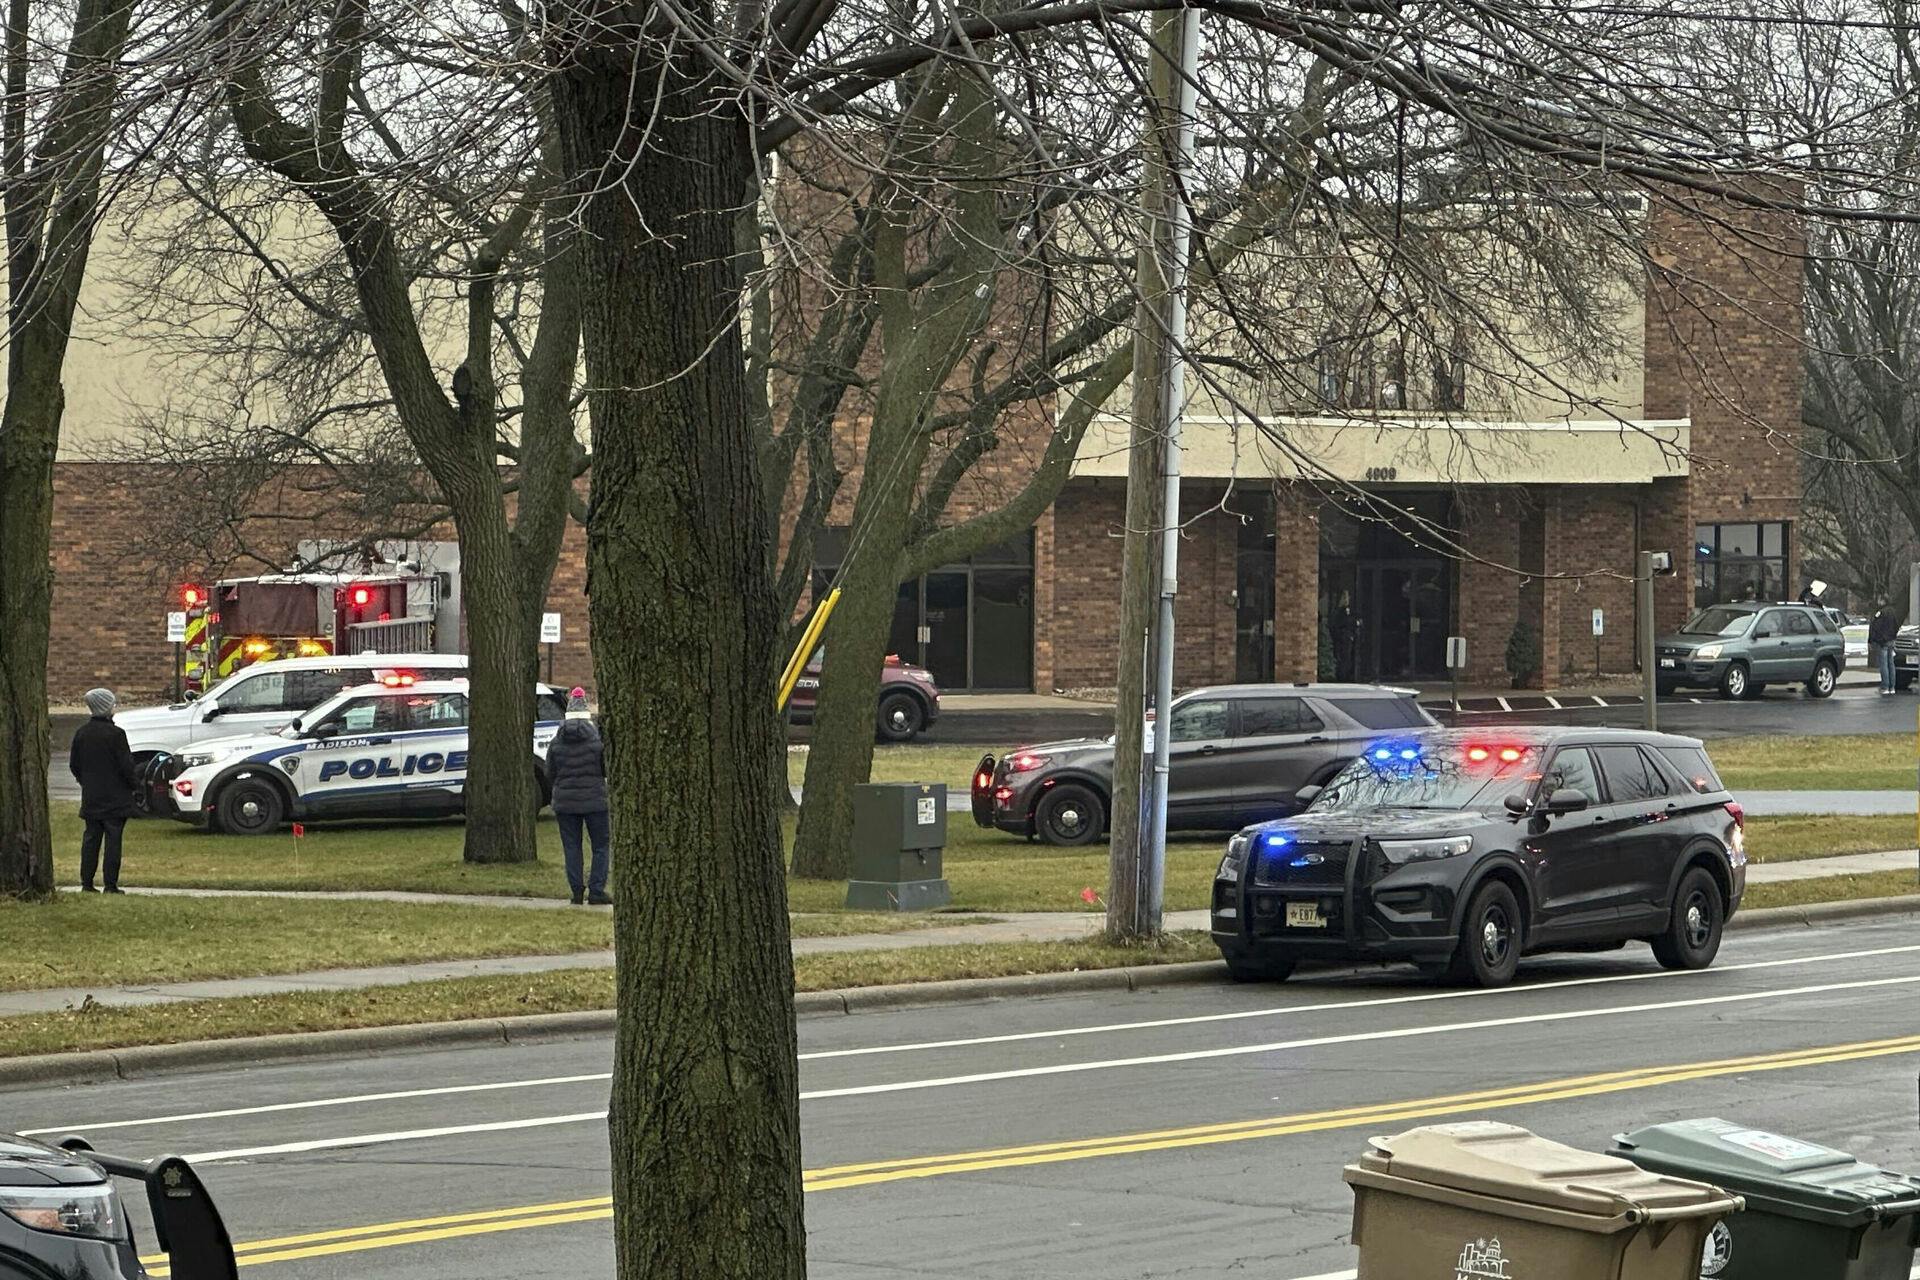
{"x":1813,"y":1213}
{"x":1489,"y":1201}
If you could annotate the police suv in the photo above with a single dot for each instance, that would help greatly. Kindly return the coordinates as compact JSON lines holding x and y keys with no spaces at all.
{"x":396,"y":749}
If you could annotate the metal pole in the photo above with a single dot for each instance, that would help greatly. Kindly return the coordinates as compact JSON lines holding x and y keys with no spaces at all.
{"x":1644,"y":583}
{"x":549,"y":664}
{"x":179,"y":672}
{"x":1173,"y":405}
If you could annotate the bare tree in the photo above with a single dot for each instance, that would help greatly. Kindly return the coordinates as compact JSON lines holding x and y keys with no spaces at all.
{"x":330,"y":120}
{"x":52,"y":195}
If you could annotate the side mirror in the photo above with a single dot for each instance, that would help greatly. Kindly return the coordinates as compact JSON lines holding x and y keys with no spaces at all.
{"x":208,"y":708}
{"x":1517,"y":804}
{"x":1305,"y":795}
{"x":1762,"y":635}
{"x":1566,"y":800}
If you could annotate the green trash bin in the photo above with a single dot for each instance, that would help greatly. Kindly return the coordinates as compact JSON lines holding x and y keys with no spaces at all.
{"x":1813,"y":1213}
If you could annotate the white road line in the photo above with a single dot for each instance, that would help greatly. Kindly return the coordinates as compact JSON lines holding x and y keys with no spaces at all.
{"x":311,"y":1104}
{"x":1070,"y":1068}
{"x":1358,"y":1037}
{"x":1055,"y":1033}
{"x":1552,"y":701}
{"x":1422,"y":997}
{"x":1503,"y":703}
{"x":382,"y":1139}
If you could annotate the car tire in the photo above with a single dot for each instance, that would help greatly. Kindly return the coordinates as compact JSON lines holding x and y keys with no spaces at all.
{"x":1693,"y":933}
{"x":142,"y":800}
{"x":1754,"y":689}
{"x":1264,"y":968}
{"x":901,"y":718}
{"x":1735,"y":682}
{"x":1069,"y":814}
{"x":1825,"y":677}
{"x":1491,"y":936}
{"x":250,"y":807}
{"x":1665,"y":688}
{"x":1903,"y":683}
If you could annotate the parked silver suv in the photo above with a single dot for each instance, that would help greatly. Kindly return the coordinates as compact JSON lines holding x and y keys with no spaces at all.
{"x":1742,"y":648}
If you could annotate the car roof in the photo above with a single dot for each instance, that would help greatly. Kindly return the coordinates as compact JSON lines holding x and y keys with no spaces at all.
{"x":454,"y":684}
{"x":1552,"y":735}
{"x":332,"y":662}
{"x":1302,"y":686}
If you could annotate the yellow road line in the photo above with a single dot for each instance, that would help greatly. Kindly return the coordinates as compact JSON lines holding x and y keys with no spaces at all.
{"x":838,"y":1177}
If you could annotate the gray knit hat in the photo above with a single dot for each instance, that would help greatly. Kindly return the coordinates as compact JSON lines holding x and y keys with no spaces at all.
{"x":577,"y":705}
{"x":100,"y":701}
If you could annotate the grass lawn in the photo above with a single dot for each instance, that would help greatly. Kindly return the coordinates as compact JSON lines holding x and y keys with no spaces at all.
{"x":102,"y":1027}
{"x":1858,"y":762}
{"x":1800,"y":893}
{"x":913,"y":763}
{"x":102,"y":940}
{"x":1792,"y":837}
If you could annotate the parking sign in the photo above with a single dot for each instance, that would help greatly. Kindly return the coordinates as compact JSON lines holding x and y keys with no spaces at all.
{"x":176,"y":627}
{"x":549,"y":628}
{"x":1599,"y":622}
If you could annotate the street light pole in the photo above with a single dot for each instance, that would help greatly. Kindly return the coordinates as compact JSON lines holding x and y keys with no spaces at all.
{"x":1651,"y":563}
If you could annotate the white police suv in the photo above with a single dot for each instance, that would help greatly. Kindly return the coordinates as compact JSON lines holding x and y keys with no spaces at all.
{"x":396,"y":749}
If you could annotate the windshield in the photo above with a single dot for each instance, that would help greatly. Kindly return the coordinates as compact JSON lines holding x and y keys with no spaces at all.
{"x":1443,"y":775}
{"x":1718,"y":621}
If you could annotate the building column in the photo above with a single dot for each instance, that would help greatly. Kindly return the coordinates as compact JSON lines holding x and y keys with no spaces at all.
{"x":1043,"y":602}
{"x":1487,"y":597}
{"x":1296,"y":582}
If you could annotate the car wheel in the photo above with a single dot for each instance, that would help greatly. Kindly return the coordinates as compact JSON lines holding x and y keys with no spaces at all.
{"x":1734,"y":681}
{"x":1491,"y":936}
{"x":142,"y":799}
{"x":1264,"y":968}
{"x":1903,"y":683}
{"x":1824,"y":678}
{"x":900,"y":718}
{"x":1692,"y":938}
{"x":1070,"y":814}
{"x":250,"y":807}
{"x":1754,"y":689}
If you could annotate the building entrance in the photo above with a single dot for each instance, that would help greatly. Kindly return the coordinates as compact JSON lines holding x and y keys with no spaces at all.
{"x":1386,"y":592}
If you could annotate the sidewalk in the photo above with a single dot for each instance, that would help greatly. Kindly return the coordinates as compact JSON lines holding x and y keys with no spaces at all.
{"x":1014,"y":926}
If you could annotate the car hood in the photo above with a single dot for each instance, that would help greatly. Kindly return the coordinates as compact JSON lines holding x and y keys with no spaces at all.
{"x":152,"y":717}
{"x":1680,"y":640}
{"x":26,"y":1163}
{"x":238,"y":745}
{"x":1392,"y":824}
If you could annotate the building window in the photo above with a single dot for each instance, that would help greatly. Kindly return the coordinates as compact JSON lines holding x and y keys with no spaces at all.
{"x":1739,"y":562}
{"x":1328,"y":370}
{"x":1393,"y":392}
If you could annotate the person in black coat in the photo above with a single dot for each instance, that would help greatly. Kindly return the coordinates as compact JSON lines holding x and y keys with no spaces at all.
{"x":1880,"y":636}
{"x":103,"y":766}
{"x":577,"y":777}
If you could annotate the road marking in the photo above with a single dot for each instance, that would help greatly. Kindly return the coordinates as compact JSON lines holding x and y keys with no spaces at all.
{"x":439,"y":1091}
{"x":1148,"y":1024}
{"x":1421,"y":997}
{"x":1070,"y":1068}
{"x":841,"y":1177}
{"x":1357,"y":1037}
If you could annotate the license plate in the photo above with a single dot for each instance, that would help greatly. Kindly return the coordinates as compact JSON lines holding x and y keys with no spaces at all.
{"x":1666,"y":662}
{"x":1305,"y":915}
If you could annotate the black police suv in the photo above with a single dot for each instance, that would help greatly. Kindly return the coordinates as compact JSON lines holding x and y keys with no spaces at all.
{"x":61,"y":1217}
{"x":1240,"y":753}
{"x":1461,"y":852}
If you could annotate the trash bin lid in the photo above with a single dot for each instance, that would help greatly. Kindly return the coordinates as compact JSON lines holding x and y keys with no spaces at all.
{"x":1502,"y":1160}
{"x":1776,"y":1174}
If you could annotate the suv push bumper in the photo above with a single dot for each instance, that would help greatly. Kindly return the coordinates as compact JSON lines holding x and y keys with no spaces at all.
{"x":1404,"y":914}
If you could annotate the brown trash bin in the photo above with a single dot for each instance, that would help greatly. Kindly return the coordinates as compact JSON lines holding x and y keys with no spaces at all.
{"x":1489,"y":1201}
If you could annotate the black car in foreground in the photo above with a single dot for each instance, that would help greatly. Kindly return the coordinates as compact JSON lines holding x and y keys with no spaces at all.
{"x":61,"y":1217}
{"x":1461,"y":852}
{"x":1240,"y":753}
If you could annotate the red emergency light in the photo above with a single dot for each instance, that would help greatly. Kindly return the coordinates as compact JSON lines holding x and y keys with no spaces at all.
{"x":190,"y":596}
{"x":1507,"y":755}
{"x":360,"y":597}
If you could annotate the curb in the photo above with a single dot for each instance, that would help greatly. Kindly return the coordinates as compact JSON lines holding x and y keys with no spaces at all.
{"x":101,"y":1066}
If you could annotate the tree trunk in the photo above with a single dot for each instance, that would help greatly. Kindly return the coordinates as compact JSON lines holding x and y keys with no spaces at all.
{"x":841,"y":746}
{"x":705,"y":1095}
{"x":503,"y":662}
{"x":29,"y":436}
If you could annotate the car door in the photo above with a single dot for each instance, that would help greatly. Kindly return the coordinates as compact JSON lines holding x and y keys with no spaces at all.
{"x":1803,"y":645}
{"x":255,"y":703}
{"x":1649,"y":840}
{"x":1576,"y":882}
{"x":339,"y":774}
{"x":431,"y":743}
{"x":1279,"y":743}
{"x":1200,"y":774}
{"x":1770,"y":648}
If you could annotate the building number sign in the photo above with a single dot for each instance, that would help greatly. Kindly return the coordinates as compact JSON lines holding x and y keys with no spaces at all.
{"x":1382,"y":473}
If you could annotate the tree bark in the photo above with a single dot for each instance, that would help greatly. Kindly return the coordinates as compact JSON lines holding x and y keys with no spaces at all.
{"x":705,"y":1103}
{"x":29,"y":436}
{"x":503,"y":663}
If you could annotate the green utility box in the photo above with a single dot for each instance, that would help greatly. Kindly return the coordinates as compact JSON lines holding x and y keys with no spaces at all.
{"x":1813,"y":1213}
{"x":1481,"y":1200}
{"x":899,"y":830}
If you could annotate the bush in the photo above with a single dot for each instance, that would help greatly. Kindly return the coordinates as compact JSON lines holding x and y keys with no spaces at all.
{"x":1523,"y":652}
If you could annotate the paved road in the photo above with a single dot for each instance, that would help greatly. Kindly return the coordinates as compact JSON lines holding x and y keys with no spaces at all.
{"x":1814,"y":1032}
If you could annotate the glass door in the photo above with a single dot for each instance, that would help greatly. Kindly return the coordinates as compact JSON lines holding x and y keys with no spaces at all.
{"x":945,"y":634}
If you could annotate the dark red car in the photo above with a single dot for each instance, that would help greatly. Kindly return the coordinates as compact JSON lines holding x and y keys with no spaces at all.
{"x":909,"y":699}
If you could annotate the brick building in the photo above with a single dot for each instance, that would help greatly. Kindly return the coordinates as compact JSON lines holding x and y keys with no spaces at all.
{"x":1415,"y":524}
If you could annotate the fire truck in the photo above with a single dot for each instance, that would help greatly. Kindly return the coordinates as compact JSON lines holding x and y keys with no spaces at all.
{"x":241,"y":621}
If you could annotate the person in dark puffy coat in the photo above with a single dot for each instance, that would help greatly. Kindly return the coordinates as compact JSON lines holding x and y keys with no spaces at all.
{"x":577,"y":775}
{"x":103,"y":766}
